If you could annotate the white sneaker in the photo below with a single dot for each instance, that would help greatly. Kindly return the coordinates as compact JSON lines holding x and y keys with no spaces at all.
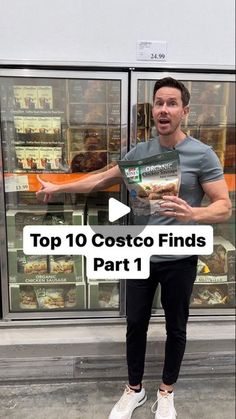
{"x":165,"y":406}
{"x":129,"y":400}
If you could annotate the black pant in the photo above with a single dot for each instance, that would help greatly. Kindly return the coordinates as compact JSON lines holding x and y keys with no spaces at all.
{"x":176,"y":279}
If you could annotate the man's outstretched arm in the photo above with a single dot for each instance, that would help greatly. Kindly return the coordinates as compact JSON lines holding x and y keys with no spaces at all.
{"x":93,"y":182}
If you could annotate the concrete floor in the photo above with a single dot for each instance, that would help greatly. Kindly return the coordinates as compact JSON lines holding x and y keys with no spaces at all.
{"x":195,"y":398}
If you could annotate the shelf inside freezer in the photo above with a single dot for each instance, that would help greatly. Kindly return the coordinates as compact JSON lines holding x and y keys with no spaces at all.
{"x":18,"y":219}
{"x":33,"y":185}
{"x":53,"y":297}
{"x":36,"y":269}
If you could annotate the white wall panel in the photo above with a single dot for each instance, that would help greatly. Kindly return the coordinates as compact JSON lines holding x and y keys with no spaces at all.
{"x":198,"y":32}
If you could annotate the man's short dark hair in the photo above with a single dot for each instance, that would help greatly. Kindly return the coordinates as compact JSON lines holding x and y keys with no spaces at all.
{"x":170,"y":82}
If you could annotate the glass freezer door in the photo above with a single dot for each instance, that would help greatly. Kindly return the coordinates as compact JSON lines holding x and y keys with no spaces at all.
{"x":60,"y":126}
{"x":212,"y":121}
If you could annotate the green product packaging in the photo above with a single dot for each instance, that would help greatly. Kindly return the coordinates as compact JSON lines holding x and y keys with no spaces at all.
{"x":149,"y":179}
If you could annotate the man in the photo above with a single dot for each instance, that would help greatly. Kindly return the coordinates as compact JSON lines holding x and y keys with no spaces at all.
{"x":201,"y":174}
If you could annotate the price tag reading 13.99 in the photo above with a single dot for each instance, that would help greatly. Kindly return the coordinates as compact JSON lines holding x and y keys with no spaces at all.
{"x":16,"y":183}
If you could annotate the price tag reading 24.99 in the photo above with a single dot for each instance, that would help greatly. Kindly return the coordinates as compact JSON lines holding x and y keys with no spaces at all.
{"x":151,"y":51}
{"x":116,"y":252}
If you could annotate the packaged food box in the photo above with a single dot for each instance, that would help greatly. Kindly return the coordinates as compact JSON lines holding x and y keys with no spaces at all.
{"x":30,"y":97}
{"x":208,"y":295}
{"x":27,"y":298}
{"x":104,"y":295}
{"x":44,"y":97}
{"x":18,"y":97}
{"x":217,"y":267}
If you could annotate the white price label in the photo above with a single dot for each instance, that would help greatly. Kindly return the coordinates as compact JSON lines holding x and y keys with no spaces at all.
{"x":151,"y":51}
{"x":16,"y":183}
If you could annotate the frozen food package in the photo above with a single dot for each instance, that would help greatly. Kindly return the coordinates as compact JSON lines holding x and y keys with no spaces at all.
{"x":31,"y":264}
{"x":61,"y":264}
{"x":108,"y":296}
{"x":27,"y":298}
{"x":21,"y":162}
{"x":18,"y":97}
{"x":44,"y":97}
{"x":210,"y":294}
{"x":217,"y":262}
{"x":149,"y":179}
{"x":70,"y":297}
{"x":51,"y":298}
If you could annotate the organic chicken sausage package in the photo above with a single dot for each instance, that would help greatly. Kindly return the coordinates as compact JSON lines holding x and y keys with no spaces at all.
{"x":149,"y":179}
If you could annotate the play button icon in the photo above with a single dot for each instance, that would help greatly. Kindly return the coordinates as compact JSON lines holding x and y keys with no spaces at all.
{"x":116,"y":209}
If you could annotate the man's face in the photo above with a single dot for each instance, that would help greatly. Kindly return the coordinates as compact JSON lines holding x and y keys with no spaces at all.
{"x":168,"y":110}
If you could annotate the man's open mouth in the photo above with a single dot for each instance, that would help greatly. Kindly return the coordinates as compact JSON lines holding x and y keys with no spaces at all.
{"x":164,"y":121}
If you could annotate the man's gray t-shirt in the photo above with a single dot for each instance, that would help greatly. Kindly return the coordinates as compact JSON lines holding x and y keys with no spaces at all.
{"x":198,"y":164}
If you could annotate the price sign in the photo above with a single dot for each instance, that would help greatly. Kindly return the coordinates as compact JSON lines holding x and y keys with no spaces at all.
{"x":151,"y":51}
{"x":16,"y":183}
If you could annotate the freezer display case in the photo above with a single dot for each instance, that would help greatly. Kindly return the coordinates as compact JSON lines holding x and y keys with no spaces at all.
{"x":60,"y":126}
{"x":211,"y":120}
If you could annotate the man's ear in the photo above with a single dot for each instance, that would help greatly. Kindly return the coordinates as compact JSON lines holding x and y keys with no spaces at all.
{"x":185,"y":111}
